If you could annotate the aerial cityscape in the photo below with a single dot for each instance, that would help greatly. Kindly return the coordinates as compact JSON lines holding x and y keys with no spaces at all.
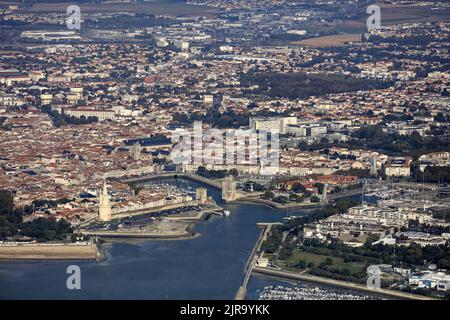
{"x":225,"y":150}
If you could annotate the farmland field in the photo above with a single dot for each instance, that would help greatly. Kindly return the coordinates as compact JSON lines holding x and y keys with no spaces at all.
{"x":390,"y":14}
{"x":148,"y":7}
{"x":394,"y":14}
{"x":330,"y":41}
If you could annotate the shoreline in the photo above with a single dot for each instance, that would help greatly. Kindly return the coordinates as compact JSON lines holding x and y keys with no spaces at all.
{"x":295,"y":205}
{"x":187,"y":233}
{"x":144,"y":235}
{"x":109,"y":239}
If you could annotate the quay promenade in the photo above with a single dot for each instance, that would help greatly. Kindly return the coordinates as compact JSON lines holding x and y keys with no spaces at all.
{"x":242,"y":291}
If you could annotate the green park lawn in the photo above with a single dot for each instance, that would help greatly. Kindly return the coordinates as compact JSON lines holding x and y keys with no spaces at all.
{"x":317,"y":259}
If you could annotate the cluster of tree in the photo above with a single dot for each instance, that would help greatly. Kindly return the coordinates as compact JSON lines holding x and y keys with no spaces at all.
{"x":121,"y":74}
{"x":297,"y":187}
{"x":425,"y":292}
{"x":41,"y":229}
{"x":374,"y":138}
{"x":296,"y":197}
{"x":49,"y":203}
{"x":340,"y":206}
{"x":303,"y":85}
{"x":268,"y":195}
{"x":335,"y":155}
{"x":298,"y":194}
{"x":216,"y":174}
{"x":322,"y":146}
{"x":283,"y":39}
{"x":281,"y":199}
{"x":293,"y":197}
{"x":59,"y":119}
{"x":344,"y":274}
{"x":397,"y":117}
{"x":432,"y":175}
{"x":273,"y":241}
{"x":227,"y":119}
{"x":414,"y":225}
{"x":326,"y":268}
{"x":9,"y":218}
{"x":252,"y":185}
{"x":413,"y":255}
{"x":415,"y":40}
{"x":286,"y":250}
{"x":77,"y":121}
{"x":152,"y":140}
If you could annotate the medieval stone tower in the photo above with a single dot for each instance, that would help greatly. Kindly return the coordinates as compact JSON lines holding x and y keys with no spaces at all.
{"x":104,"y":208}
{"x":229,"y":189}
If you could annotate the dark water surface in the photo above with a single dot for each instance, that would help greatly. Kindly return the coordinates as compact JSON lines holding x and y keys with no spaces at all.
{"x":208,"y":267}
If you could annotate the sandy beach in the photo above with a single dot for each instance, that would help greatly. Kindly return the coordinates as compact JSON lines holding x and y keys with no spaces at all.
{"x":49,"y":252}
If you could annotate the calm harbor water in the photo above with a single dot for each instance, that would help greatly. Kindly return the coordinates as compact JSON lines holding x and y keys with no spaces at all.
{"x":207,"y":267}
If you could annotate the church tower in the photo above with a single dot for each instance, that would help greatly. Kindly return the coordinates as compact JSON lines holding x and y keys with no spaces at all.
{"x":373,"y":165}
{"x":324,"y":193}
{"x":104,"y":208}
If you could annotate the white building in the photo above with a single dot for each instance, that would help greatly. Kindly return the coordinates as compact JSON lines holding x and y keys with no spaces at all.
{"x":279,"y":124}
{"x":46,"y":98}
{"x":398,"y":167}
{"x":182,"y":45}
{"x":439,"y":159}
{"x":208,"y":99}
{"x":100,"y":114}
{"x":50,"y":35}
